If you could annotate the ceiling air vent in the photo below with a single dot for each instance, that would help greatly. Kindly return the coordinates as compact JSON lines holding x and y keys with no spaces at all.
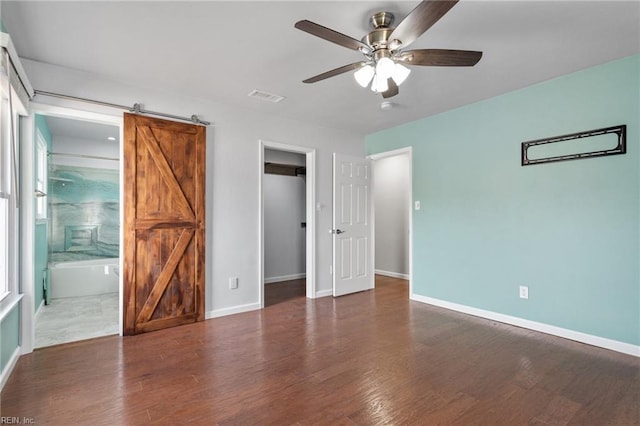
{"x":264,"y":96}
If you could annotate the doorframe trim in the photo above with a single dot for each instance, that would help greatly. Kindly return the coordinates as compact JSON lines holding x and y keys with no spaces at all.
{"x":394,"y":153}
{"x":27,"y":209}
{"x":310,"y":203}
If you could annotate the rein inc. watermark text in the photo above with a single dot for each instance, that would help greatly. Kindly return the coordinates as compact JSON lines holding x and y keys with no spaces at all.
{"x":17,"y":420}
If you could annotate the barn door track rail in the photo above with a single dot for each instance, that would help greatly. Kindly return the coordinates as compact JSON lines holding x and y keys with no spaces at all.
{"x":137,"y":108}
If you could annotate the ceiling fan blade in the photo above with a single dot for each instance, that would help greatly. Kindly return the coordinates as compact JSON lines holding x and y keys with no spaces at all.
{"x":420,"y":19}
{"x":441,"y":57}
{"x":332,"y":36}
{"x":392,"y":90}
{"x":334,"y":72}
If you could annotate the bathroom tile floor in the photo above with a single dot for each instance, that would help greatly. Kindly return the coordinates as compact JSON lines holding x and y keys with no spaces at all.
{"x":77,"y":318}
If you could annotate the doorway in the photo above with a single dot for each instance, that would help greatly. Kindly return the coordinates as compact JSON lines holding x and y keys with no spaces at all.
{"x":287,"y":222}
{"x":71,"y":215}
{"x":77,"y":232}
{"x":393,"y":205}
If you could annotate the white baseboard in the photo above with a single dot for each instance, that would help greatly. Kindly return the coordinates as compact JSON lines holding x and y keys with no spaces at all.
{"x":9,"y":367}
{"x":392,"y":274}
{"x":285,"y":278}
{"x":233,"y":310}
{"x":589,"y":339}
{"x":38,"y":311}
{"x":324,"y":293}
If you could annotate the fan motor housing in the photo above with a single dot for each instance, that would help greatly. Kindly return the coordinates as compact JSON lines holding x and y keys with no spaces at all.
{"x":378,"y":39}
{"x":382,"y":29}
{"x":381,"y":20}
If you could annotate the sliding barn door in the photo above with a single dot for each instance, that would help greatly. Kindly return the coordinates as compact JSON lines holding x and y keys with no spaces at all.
{"x":164,"y":178}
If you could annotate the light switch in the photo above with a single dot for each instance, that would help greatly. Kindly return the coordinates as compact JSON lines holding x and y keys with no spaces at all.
{"x":233,"y":283}
{"x":416,"y":205}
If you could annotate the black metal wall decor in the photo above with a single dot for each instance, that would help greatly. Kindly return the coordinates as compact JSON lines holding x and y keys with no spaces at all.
{"x":620,"y":148}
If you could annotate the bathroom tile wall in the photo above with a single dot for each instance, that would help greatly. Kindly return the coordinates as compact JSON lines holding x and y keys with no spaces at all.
{"x":84,"y":209}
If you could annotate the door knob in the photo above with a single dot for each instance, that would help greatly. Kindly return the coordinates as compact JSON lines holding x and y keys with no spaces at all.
{"x":338,"y":231}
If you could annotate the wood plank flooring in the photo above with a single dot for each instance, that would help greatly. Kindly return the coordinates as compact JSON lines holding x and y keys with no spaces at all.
{"x":371,"y":358}
{"x":284,"y":291}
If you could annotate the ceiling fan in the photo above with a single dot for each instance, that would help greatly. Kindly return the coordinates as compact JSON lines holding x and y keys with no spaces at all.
{"x":385,"y":58}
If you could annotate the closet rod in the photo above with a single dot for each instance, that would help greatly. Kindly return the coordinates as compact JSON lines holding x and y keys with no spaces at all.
{"x":93,"y":157}
{"x":137,"y":108}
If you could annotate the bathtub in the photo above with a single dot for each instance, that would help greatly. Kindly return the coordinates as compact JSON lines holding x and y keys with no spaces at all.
{"x":83,"y":277}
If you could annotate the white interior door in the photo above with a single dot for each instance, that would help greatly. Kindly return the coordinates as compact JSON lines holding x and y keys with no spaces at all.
{"x":352,"y":227}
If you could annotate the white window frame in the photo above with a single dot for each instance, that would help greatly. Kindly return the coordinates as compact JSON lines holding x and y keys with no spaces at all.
{"x":6,"y":189}
{"x":9,"y":259}
{"x":4,"y":247}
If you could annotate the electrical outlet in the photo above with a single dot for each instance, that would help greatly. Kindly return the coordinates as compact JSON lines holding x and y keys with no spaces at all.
{"x":524,"y":292}
{"x":233,"y":283}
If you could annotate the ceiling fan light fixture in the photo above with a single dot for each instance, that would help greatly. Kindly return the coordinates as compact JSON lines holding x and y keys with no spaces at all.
{"x":379,"y":84}
{"x":385,"y":67}
{"x":382,"y":70}
{"x":400,"y":73}
{"x":364,"y":75}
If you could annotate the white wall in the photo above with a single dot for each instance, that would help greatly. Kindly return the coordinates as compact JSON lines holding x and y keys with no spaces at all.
{"x":284,"y":237}
{"x":392,"y":182}
{"x":284,"y":211}
{"x":232,"y":199}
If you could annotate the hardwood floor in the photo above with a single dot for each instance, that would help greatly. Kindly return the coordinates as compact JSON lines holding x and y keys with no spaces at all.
{"x":369,"y":358}
{"x":284,"y":291}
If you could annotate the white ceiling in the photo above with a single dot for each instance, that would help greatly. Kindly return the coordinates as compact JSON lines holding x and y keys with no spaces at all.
{"x":223,"y":50}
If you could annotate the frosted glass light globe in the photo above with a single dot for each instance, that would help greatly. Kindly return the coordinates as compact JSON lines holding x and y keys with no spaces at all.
{"x":400,"y":73}
{"x":364,"y":75}
{"x":379,"y":84}
{"x":385,"y":67}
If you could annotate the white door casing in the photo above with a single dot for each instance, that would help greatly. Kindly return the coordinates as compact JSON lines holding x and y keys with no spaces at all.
{"x":27,"y":165}
{"x":408,"y":151}
{"x":310,"y":154}
{"x":352,"y":225}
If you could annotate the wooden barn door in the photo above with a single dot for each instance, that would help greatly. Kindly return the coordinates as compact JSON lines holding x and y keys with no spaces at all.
{"x":164,"y":178}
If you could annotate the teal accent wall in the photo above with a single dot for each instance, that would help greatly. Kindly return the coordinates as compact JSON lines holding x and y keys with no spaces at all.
{"x":568,"y":230}
{"x":41,"y":124}
{"x":41,"y":256}
{"x":9,"y":336}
